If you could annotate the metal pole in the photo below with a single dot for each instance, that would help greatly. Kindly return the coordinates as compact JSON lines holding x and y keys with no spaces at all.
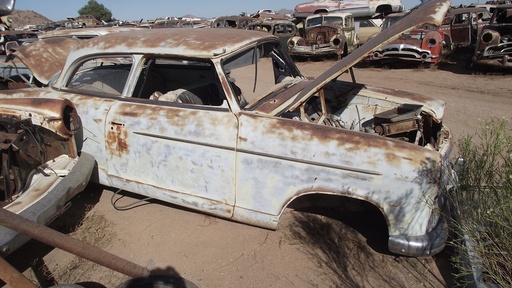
{"x":70,"y":244}
{"x":13,"y":277}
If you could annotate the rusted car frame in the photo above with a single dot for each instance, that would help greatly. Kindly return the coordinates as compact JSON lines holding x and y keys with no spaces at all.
{"x":425,"y":45}
{"x":494,"y":43}
{"x":231,"y":128}
{"x":41,"y":167}
{"x":462,"y":25}
{"x":325,"y":35}
{"x":237,"y":22}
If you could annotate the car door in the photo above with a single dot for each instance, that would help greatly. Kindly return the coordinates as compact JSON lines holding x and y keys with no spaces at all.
{"x":460,"y":29}
{"x":184,"y":155}
{"x":175,"y":152}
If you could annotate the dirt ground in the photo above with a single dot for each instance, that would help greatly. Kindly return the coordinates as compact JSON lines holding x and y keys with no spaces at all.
{"x":309,"y":249}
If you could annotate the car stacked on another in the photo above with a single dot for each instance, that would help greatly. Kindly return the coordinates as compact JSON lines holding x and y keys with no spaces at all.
{"x":358,"y":8}
{"x":494,"y":43}
{"x":233,"y":129}
{"x":331,"y":34}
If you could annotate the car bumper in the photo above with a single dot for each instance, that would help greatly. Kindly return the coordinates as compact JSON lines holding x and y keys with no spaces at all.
{"x":44,"y":209}
{"x":504,"y":61}
{"x":311,"y":51}
{"x":422,"y":245}
{"x":403,"y":52}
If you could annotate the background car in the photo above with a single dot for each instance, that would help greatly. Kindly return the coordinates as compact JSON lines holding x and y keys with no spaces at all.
{"x":494,"y":43}
{"x":325,"y":35}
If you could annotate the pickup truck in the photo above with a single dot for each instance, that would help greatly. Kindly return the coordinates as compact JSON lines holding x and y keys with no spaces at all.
{"x":358,"y":8}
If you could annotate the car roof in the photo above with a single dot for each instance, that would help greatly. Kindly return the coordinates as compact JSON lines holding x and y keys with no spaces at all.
{"x":187,"y":42}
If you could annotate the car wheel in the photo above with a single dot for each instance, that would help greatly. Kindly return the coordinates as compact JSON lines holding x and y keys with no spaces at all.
{"x":188,"y":97}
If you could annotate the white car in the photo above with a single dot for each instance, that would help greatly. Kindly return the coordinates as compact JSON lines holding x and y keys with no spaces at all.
{"x":223,"y":122}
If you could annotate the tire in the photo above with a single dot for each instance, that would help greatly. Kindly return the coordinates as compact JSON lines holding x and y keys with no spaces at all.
{"x":188,"y":97}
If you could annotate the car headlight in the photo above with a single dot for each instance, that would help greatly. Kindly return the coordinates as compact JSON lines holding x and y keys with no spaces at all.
{"x":431,"y":42}
{"x":336,"y":41}
{"x":487,"y":37}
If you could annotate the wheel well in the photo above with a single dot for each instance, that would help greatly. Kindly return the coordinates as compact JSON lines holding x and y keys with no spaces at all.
{"x":321,"y":11}
{"x":384,"y":9}
{"x":343,"y":204}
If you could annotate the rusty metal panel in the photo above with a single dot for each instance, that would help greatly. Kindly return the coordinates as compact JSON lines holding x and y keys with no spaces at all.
{"x":298,"y":158}
{"x":179,"y":153}
{"x":45,"y":58}
{"x":49,"y":113}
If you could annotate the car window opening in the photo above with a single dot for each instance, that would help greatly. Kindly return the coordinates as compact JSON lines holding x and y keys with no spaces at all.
{"x":179,"y":81}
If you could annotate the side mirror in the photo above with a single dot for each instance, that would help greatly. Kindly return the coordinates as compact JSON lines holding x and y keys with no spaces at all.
{"x":6,"y":7}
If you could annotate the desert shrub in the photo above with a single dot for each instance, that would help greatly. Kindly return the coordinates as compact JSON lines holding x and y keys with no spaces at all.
{"x":483,"y":206}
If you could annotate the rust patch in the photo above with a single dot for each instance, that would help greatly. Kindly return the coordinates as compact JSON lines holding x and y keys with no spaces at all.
{"x":116,"y":140}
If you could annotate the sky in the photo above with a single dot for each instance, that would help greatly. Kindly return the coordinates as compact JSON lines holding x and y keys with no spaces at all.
{"x":131,"y":10}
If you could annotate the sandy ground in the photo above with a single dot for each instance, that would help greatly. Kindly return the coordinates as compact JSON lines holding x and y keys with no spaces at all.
{"x":309,"y":249}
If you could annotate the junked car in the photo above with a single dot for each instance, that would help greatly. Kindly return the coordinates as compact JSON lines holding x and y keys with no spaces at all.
{"x":332,"y":34}
{"x":282,"y":28}
{"x":232,"y":128}
{"x":461,"y":26}
{"x":494,"y":44}
{"x":237,"y":22}
{"x":366,"y":28}
{"x":358,"y":8}
{"x":425,"y":44}
{"x":42,"y":168}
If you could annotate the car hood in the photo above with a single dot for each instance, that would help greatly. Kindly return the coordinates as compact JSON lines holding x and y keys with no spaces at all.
{"x":431,"y":12}
{"x":45,"y":58}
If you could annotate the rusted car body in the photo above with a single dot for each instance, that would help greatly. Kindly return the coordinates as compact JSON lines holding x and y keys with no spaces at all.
{"x":358,"y":8}
{"x":494,"y":44}
{"x":283,"y":29}
{"x":15,"y":75}
{"x":230,"y":127}
{"x":461,"y":26}
{"x":11,"y":39}
{"x":326,"y":35}
{"x":237,"y":22}
{"x":41,"y":166}
{"x":422,"y":45}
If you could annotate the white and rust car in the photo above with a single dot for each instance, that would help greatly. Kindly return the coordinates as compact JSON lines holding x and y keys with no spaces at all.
{"x":332,"y":34}
{"x":222,"y":121}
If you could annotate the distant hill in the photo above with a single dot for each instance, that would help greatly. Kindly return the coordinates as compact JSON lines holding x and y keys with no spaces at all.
{"x":285,"y":11}
{"x":21,"y":18}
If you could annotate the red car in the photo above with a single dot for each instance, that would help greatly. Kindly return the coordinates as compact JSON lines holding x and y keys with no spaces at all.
{"x":424,"y":45}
